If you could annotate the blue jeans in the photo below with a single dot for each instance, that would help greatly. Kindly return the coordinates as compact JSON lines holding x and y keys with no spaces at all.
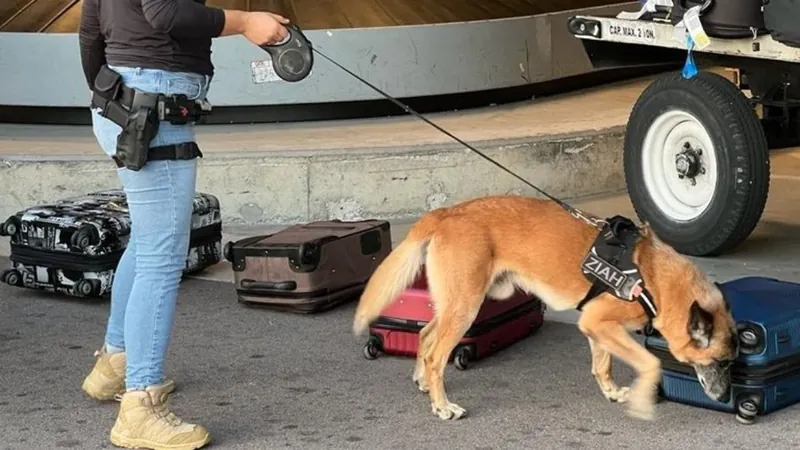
{"x":160,"y":197}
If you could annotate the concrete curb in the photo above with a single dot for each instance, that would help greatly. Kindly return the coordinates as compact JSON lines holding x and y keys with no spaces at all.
{"x":400,"y":183}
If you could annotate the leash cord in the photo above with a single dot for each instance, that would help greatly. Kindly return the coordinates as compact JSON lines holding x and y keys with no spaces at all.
{"x":574,"y":211}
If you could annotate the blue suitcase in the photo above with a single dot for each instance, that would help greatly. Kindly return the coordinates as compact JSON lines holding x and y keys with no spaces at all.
{"x":766,"y":376}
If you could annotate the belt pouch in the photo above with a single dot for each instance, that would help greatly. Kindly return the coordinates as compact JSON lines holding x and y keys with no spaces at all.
{"x":105,"y":95}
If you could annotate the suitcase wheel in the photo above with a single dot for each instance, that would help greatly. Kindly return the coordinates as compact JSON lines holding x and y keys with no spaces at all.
{"x":12,"y":277}
{"x":9,"y":227}
{"x":86,"y":236}
{"x":84,"y":288}
{"x":461,"y":357}
{"x":746,"y":411}
{"x":373,"y":347}
{"x":226,"y":251}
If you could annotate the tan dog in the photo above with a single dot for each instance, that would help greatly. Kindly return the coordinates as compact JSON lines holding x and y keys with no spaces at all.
{"x":492,"y":244}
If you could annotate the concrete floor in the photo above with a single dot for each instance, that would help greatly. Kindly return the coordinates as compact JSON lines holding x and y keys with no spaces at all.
{"x":263,"y":380}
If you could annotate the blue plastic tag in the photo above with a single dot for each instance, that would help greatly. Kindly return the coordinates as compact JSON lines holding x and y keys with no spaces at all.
{"x":689,"y":68}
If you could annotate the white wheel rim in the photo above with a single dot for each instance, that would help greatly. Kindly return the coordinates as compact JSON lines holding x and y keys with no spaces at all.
{"x":679,"y":199}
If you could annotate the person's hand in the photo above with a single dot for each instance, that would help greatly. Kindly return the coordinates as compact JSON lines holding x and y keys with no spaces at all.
{"x":265,"y":28}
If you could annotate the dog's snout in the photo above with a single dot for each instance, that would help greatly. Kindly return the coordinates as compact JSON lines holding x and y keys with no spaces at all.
{"x":716,"y":380}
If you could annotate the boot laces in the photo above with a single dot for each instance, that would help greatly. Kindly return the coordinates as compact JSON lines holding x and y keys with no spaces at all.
{"x":163,"y":412}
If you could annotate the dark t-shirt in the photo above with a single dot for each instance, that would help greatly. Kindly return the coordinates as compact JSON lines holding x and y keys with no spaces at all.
{"x":172,"y":35}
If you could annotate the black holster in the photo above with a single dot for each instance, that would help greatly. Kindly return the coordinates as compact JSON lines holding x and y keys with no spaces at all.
{"x":141,"y":126}
{"x":139,"y":114}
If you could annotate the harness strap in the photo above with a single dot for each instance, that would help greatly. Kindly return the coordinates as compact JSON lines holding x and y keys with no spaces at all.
{"x":595,"y":289}
{"x":186,"y":150}
{"x":645,"y":298}
{"x":609,"y":266}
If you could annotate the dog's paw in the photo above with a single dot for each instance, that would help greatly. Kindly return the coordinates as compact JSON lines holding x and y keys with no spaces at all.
{"x":641,"y":405}
{"x":616,"y":394}
{"x":641,"y":411}
{"x":449,"y":412}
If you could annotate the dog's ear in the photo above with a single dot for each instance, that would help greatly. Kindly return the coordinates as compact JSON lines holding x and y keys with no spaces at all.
{"x":700,"y":326}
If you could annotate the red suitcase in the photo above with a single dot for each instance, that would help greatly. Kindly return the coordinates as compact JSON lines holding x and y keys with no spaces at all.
{"x":498,"y":325}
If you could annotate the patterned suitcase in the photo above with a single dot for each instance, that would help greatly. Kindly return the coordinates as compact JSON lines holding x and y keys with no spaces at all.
{"x":308,"y":268}
{"x":766,"y":376}
{"x":72,"y":246}
{"x":498,"y":325}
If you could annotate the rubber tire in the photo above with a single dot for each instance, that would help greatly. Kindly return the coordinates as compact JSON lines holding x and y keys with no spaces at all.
{"x":461,"y":358}
{"x":740,"y":146}
{"x":84,"y":288}
{"x":9,"y":277}
{"x":746,"y":412}
{"x":227,"y":251}
{"x":85,"y":237}
{"x":6,"y":227}
{"x":372,"y":348}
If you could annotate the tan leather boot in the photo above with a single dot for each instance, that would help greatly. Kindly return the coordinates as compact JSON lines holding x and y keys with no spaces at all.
{"x":106,"y":381}
{"x":144,"y":421}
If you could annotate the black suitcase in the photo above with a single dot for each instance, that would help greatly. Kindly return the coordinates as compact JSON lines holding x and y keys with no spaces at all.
{"x":724,"y":18}
{"x":72,"y":246}
{"x":781,"y":19}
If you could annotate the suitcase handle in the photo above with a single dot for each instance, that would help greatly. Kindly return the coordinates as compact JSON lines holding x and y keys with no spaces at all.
{"x":328,"y":226}
{"x":272,"y":285}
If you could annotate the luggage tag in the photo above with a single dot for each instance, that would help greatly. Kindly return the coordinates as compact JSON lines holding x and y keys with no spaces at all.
{"x":691,"y":29}
{"x":691,"y":19}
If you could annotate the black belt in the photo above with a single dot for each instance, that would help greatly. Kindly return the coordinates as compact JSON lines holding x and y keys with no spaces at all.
{"x":184,"y":151}
{"x":177,"y":109}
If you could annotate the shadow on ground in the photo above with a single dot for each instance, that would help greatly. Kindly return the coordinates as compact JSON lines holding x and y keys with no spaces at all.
{"x":260,"y":380}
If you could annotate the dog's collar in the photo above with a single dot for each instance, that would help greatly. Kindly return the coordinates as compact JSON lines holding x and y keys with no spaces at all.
{"x":609,"y":266}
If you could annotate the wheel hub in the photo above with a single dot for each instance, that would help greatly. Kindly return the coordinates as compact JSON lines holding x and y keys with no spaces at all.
{"x":680,"y":165}
{"x":688,"y":164}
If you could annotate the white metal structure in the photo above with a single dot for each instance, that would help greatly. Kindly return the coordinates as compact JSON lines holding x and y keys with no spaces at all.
{"x":666,"y":35}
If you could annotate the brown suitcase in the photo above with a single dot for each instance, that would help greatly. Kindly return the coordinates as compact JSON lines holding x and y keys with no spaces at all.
{"x":311,"y":267}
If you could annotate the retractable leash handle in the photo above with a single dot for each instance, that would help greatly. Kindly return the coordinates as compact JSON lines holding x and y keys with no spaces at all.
{"x":292,"y":58}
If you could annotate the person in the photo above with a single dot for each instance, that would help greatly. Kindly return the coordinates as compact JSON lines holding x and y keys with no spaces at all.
{"x":156,"y":47}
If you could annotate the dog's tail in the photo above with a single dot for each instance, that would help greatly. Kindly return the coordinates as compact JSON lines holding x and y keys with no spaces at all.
{"x":395,"y":273}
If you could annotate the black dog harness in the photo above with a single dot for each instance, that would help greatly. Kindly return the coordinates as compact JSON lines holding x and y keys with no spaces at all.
{"x":609,"y":266}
